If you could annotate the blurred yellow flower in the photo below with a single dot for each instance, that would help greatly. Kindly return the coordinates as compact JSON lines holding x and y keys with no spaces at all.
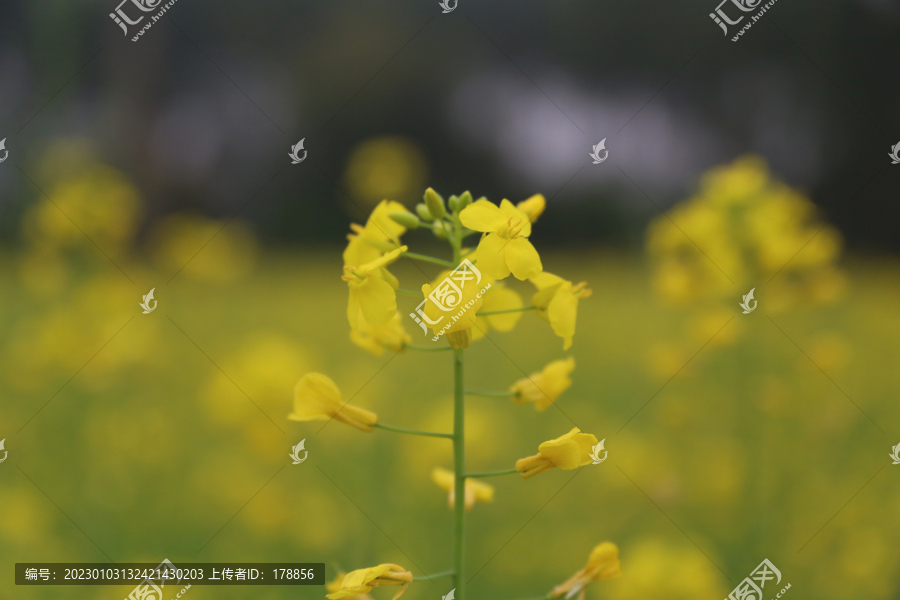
{"x":334,"y":586}
{"x":740,"y":229}
{"x":556,"y":301}
{"x":376,"y":339}
{"x":203,"y":249}
{"x":476,"y":491}
{"x":603,"y":563}
{"x":471,"y":301}
{"x":533,"y":207}
{"x":505,"y":248}
{"x":385,"y":167}
{"x":545,"y":387}
{"x":372,"y":291}
{"x":566,"y":452}
{"x":317,"y":398}
{"x":363,"y":581}
{"x":381,"y":234}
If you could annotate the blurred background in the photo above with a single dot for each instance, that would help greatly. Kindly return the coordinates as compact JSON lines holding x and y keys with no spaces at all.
{"x":163,"y":164}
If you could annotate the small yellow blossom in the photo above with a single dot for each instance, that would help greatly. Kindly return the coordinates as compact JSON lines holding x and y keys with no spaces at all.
{"x":372,"y":291}
{"x":363,"y":581}
{"x":602,"y":564}
{"x":317,"y":398}
{"x":376,"y":339}
{"x":335,"y":585}
{"x":545,"y":387}
{"x":381,"y":234}
{"x":556,"y":301}
{"x":533,"y":207}
{"x":566,"y":452}
{"x":505,"y":247}
{"x":476,"y":491}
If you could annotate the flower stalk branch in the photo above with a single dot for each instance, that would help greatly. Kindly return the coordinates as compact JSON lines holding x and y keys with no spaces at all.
{"x":491,"y":473}
{"x":413,"y":431}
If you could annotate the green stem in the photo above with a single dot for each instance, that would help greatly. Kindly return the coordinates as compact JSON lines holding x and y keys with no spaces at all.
{"x":487,"y":393}
{"x":409,"y":293}
{"x":508,"y":310}
{"x":427,"y":348}
{"x":459,"y":468}
{"x":433,"y":575}
{"x":414,"y":431}
{"x":492,"y":473}
{"x":431,"y":259}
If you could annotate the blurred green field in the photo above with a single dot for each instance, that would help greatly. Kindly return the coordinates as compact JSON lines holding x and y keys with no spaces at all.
{"x":151,"y":449}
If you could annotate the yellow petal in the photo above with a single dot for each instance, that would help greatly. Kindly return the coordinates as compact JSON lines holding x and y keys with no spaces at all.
{"x":562,"y":312}
{"x":377,"y":301}
{"x":533,"y":207}
{"x":491,"y":257}
{"x":483,"y":216}
{"x":564,"y":454}
{"x":316,"y":397}
{"x":519,"y":221}
{"x":502,"y":298}
{"x":522,"y":259}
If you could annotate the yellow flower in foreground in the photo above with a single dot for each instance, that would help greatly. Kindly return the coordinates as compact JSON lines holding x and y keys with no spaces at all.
{"x":505,"y":248}
{"x":556,"y":301}
{"x":362,"y":581}
{"x":545,"y":387}
{"x":381,"y":234}
{"x":602,"y":564}
{"x":566,"y":452}
{"x":372,"y":291}
{"x":335,"y":585}
{"x":476,"y":491}
{"x":317,"y":398}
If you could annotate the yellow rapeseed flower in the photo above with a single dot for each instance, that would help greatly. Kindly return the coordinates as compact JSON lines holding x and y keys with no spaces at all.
{"x":376,"y":339}
{"x":334,"y":586}
{"x":363,"y":581}
{"x":317,"y":398}
{"x":372,"y":291}
{"x":476,"y":491}
{"x":556,"y":301}
{"x":460,"y":319}
{"x":545,"y":387}
{"x":505,"y":247}
{"x":381,"y":234}
{"x":603,"y":563}
{"x":566,"y":452}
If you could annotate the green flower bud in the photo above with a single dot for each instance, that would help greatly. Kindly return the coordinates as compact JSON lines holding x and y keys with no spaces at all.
{"x":435,"y":204}
{"x":453,"y":203}
{"x":439,"y":231}
{"x":408,"y":220}
{"x":422,"y":210}
{"x":464,"y":200}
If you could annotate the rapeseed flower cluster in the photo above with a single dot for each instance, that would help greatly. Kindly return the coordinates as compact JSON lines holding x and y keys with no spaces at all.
{"x":470,"y":297}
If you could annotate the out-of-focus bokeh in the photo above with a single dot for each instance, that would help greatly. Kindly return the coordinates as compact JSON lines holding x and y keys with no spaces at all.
{"x":163,"y":164}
